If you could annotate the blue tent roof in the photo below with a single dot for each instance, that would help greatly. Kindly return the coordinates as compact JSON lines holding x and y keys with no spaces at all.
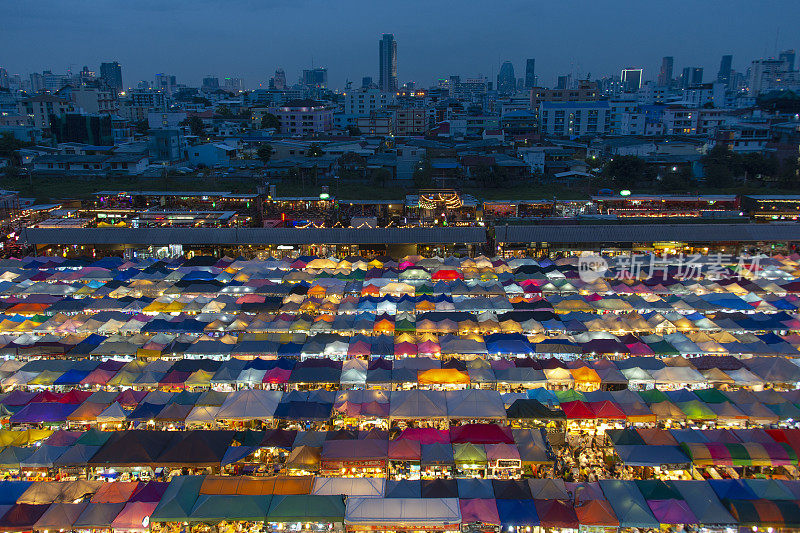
{"x":518,"y":513}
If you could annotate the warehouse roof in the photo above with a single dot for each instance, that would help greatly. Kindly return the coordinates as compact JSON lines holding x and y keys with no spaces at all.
{"x":289,"y":236}
{"x":649,"y":233}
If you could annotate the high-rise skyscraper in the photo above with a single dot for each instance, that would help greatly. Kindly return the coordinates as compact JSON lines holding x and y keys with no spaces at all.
{"x":315,"y":77}
{"x":724,"y":74}
{"x":387,"y":53}
{"x":631,"y":79}
{"x":788,"y":57}
{"x":691,"y":77}
{"x":111,"y":73}
{"x":665,"y":74}
{"x":530,"y":73}
{"x":278,"y":81}
{"x":506,"y":81}
{"x":165,"y":82}
{"x":210,"y":82}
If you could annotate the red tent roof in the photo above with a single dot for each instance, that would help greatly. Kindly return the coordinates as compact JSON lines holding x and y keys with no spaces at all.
{"x":578,"y":410}
{"x":481,"y":434}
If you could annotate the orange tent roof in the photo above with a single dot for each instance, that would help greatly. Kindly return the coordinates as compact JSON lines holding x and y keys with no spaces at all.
{"x":383,"y":325}
{"x":25,"y":308}
{"x":370,"y":290}
{"x":596,"y":513}
{"x":256,"y":485}
{"x":117,"y":492}
{"x":446,"y":376}
{"x":585,"y":374}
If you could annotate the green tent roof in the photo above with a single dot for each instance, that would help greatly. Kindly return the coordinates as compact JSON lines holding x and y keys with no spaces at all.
{"x":468,"y":453}
{"x":306,"y":508}
{"x":214,"y":508}
{"x":711,"y":395}
{"x":94,"y":437}
{"x":663,"y":348}
{"x":696,"y":410}
{"x":178,"y":501}
{"x":653,"y":396}
{"x":570,"y":395}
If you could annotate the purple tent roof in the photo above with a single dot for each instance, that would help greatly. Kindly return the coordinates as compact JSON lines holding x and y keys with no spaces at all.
{"x":36,"y":413}
{"x":672,"y":511}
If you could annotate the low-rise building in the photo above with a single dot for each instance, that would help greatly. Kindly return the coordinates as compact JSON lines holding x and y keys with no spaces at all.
{"x":304,"y":117}
{"x":131,"y":164}
{"x":377,"y":123}
{"x":211,"y":154}
{"x":41,"y":107}
{"x":574,"y":119}
{"x":410,"y":121}
{"x":366,"y":101}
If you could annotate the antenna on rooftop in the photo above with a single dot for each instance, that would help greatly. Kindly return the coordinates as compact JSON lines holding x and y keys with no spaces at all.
{"x":777,"y":34}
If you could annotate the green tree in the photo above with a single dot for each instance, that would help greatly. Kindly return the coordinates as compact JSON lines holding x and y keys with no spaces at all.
{"x":224,"y":111}
{"x":264,"y":152}
{"x":679,"y":180}
{"x":627,"y":170}
{"x":381,"y":176}
{"x":353,"y":131}
{"x":484,"y":175}
{"x":195,"y":124}
{"x":9,"y":144}
{"x":423,"y":174}
{"x":722,"y":166}
{"x":757,"y":165}
{"x":141,"y":127}
{"x":314,"y":150}
{"x":270,"y":121}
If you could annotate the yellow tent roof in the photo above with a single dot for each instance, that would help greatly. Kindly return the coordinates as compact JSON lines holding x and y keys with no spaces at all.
{"x":447,"y":376}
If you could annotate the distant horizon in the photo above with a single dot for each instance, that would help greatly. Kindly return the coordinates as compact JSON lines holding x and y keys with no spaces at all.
{"x":250,"y":39}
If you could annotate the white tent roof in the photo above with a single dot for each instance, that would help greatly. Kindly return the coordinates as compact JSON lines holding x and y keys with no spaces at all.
{"x":474,"y":403}
{"x":402,"y":512}
{"x":366,"y":487}
{"x":251,"y":404}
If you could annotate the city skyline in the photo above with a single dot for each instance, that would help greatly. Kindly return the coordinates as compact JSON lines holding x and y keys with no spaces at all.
{"x":428,"y":51}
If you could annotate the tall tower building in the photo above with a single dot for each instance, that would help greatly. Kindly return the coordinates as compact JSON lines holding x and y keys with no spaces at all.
{"x":387,"y":54}
{"x":691,"y":77}
{"x":506,"y":81}
{"x":724,"y":74}
{"x":530,"y":73}
{"x":788,"y":57}
{"x":665,"y":74}
{"x":111,"y":73}
{"x":631,"y":79}
{"x":279,"y":80}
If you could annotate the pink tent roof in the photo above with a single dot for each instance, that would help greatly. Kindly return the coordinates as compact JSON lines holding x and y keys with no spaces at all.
{"x":639,"y":348}
{"x":425,"y":435}
{"x":404,"y":450}
{"x":134,"y":516}
{"x":428,"y":347}
{"x":277,"y":375}
{"x":98,"y":376}
{"x":479,"y":510}
{"x":405,"y":348}
{"x":380,"y":410}
{"x":501,"y":451}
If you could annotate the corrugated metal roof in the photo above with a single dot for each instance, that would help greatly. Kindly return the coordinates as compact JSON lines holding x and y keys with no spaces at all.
{"x":649,"y":233}
{"x":221,"y":236}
